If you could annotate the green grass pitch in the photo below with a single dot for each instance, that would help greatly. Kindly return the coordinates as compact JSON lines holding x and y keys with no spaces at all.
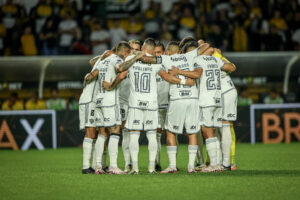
{"x":264,"y":172}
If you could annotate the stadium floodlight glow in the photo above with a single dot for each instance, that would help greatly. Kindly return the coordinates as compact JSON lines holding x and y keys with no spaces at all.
{"x":254,"y":107}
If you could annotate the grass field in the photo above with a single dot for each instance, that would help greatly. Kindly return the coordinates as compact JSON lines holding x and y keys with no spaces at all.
{"x":264,"y":172}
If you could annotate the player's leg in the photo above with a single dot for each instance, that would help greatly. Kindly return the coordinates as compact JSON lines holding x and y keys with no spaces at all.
{"x":232,"y":150}
{"x":210,"y":137}
{"x":172,"y":152}
{"x":126,"y":139}
{"x":150,"y":122}
{"x":200,"y":154}
{"x":99,"y":148}
{"x":219,"y":137}
{"x":192,"y":127}
{"x":134,"y":125}
{"x":174,"y":125}
{"x":160,"y":131}
{"x":87,"y":123}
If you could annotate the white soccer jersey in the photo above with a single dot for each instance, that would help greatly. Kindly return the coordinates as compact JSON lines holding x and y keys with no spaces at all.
{"x":210,"y":84}
{"x":181,"y":61}
{"x":124,"y":90}
{"x":89,"y":92}
{"x":143,"y":86}
{"x":162,"y":92}
{"x":226,"y":82}
{"x":107,"y":71}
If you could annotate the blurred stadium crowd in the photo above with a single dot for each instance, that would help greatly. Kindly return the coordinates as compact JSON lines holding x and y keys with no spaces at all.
{"x":60,"y":27}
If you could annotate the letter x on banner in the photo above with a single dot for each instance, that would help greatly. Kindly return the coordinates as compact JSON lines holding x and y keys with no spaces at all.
{"x":33,"y":131}
{"x":254,"y":107}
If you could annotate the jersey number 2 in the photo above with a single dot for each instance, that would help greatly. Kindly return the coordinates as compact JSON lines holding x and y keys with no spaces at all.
{"x":211,"y":83}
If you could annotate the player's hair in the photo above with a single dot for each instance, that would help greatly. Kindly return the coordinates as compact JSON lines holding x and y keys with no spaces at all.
{"x":159,"y":44}
{"x":114,"y":48}
{"x":189,"y":45}
{"x":173,"y":46}
{"x":122,"y":46}
{"x":186,"y":40}
{"x":134,"y":42}
{"x":150,"y":42}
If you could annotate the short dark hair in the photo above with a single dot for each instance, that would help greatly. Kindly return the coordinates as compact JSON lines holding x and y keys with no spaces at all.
{"x":150,"y":42}
{"x":189,"y":45}
{"x":159,"y":44}
{"x":122,"y":45}
{"x":186,"y":40}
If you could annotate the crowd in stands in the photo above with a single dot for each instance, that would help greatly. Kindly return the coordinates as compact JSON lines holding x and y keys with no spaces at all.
{"x":59,"y":27}
{"x":35,"y":103}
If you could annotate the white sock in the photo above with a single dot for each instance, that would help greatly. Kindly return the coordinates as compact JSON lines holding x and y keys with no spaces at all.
{"x":134,"y":148}
{"x":219,"y":152}
{"x":192,"y":155}
{"x":99,"y":148}
{"x":211,"y":147}
{"x":94,"y":155}
{"x":158,"y":138}
{"x":152,"y":147}
{"x":113,"y":146}
{"x":125,"y":146}
{"x":172,"y":152}
{"x":226,"y":144}
{"x":87,"y":146}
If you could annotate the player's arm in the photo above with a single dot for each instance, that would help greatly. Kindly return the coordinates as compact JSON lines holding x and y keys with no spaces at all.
{"x":190,"y":74}
{"x":175,"y":80}
{"x":151,"y":59}
{"x":112,"y":84}
{"x":228,"y":66}
{"x":202,"y":48}
{"x":101,"y":57}
{"x":127,"y":64}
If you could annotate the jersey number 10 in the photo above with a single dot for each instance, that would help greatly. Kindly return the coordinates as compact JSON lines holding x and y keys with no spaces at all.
{"x":142,"y":82}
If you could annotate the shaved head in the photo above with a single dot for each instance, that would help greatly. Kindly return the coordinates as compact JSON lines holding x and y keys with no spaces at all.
{"x":149,"y":45}
{"x":172,"y":48}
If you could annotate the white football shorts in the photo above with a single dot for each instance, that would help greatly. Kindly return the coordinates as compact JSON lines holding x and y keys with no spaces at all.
{"x":182,"y":114}
{"x":139,"y":119}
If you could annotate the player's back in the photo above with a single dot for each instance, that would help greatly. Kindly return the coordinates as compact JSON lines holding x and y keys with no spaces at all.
{"x":143,"y":86}
{"x":210,"y":86}
{"x":178,"y":91}
{"x":107,"y":72}
{"x":89,"y":92}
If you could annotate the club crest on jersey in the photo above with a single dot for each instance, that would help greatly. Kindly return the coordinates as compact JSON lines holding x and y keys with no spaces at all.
{"x":136,"y":122}
{"x":217,"y":100}
{"x":92,"y":121}
{"x":185,"y":93}
{"x":175,"y":127}
{"x":143,"y":104}
{"x":99,"y":102}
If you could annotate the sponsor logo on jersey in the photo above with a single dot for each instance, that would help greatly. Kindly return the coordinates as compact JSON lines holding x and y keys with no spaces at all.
{"x":149,"y":122}
{"x":143,"y":103}
{"x":98,"y":120}
{"x":136,"y":122}
{"x":176,"y":59}
{"x":106,"y":119}
{"x":193,"y":127}
{"x":185,"y":93}
{"x":175,"y":127}
{"x":219,"y":119}
{"x":106,"y":61}
{"x":92,"y":121}
{"x":231,"y":115}
{"x":209,"y":58}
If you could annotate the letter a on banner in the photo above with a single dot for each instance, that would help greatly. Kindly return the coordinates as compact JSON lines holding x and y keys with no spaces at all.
{"x":4,"y":130}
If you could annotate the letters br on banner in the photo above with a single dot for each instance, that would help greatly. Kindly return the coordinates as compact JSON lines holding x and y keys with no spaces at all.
{"x":28,"y":129}
{"x":275,"y":123}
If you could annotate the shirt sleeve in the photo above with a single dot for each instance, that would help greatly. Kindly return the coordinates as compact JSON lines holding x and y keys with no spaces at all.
{"x":220,"y":62}
{"x":97,"y":65}
{"x":129,"y":57}
{"x":192,"y":54}
{"x":117,"y":61}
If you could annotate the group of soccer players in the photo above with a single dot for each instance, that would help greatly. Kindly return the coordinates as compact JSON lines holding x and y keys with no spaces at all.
{"x":133,"y":89}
